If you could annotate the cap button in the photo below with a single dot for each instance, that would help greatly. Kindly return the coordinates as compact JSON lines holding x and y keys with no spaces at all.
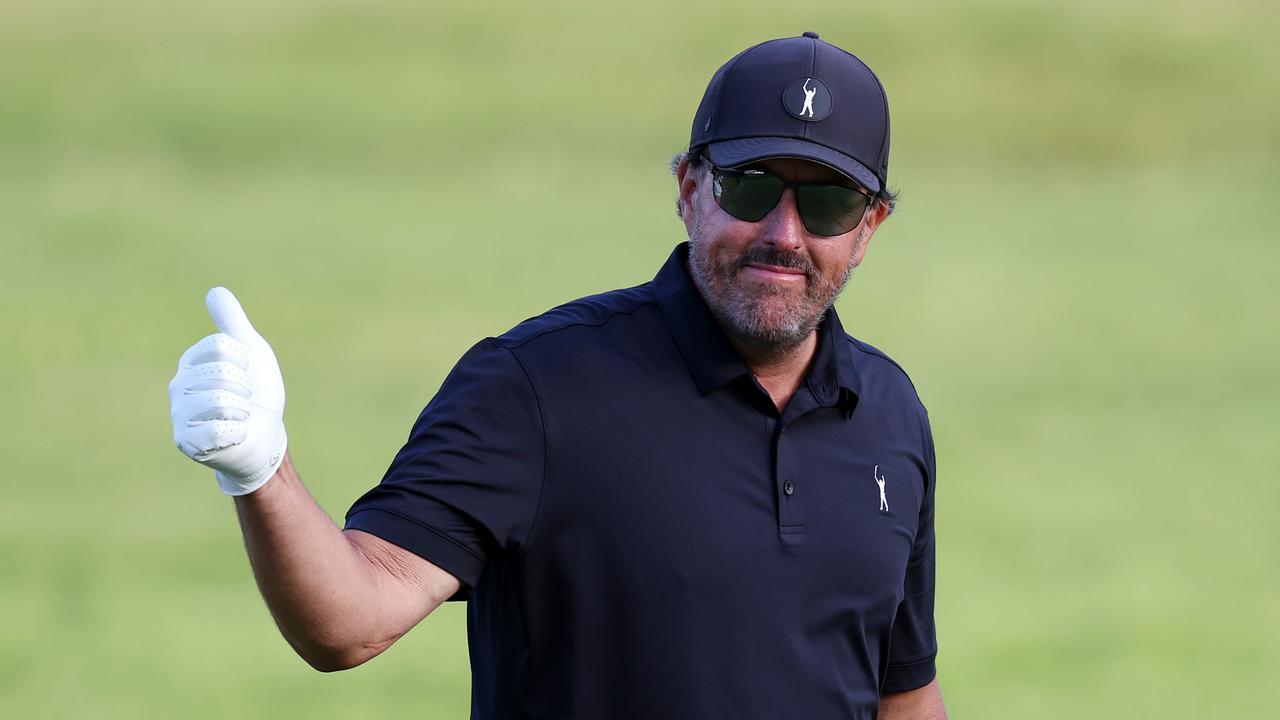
{"x":810,"y":34}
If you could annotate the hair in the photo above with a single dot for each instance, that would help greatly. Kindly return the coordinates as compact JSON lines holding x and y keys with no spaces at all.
{"x":698,"y":163}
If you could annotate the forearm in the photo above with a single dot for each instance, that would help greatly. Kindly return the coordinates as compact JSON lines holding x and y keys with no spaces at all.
{"x":923,"y":703}
{"x":319,"y":587}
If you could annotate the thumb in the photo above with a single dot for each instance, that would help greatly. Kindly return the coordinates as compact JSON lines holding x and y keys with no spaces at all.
{"x":228,"y":315}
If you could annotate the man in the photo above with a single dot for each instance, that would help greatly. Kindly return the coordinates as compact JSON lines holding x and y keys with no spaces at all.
{"x":695,"y":498}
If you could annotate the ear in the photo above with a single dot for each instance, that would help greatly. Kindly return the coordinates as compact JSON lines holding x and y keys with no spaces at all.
{"x":688,"y":185}
{"x":876,"y":214}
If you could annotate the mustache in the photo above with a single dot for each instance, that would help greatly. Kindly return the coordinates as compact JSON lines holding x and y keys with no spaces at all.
{"x":774,"y":256}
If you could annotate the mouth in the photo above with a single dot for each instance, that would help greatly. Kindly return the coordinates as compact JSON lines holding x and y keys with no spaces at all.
{"x":774,"y":273}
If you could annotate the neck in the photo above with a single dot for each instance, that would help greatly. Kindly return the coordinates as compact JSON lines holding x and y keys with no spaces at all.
{"x":778,"y":370}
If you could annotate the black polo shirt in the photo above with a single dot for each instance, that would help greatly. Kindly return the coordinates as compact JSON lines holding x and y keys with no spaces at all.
{"x":640,"y":534}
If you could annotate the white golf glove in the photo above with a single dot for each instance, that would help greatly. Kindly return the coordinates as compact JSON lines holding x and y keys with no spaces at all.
{"x":227,"y":400}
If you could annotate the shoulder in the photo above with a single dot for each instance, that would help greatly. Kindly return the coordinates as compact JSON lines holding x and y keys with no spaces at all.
{"x":592,"y":345}
{"x":594,"y":315}
{"x":885,"y":386}
{"x":881,"y":376}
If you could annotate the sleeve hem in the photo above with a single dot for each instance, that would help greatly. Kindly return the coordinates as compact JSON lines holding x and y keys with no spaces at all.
{"x":427,"y":543}
{"x":909,"y":676}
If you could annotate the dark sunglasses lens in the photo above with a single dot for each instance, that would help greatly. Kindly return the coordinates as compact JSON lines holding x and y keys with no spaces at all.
{"x":748,"y":197}
{"x":829,"y":210}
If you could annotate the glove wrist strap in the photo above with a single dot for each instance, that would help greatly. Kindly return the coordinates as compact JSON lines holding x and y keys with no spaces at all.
{"x":237,"y":486}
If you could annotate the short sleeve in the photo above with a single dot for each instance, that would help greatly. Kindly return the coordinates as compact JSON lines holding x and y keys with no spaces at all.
{"x":465,"y":486}
{"x":913,"y":643}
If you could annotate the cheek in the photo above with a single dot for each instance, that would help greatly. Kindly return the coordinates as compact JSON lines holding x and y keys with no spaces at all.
{"x":855,"y":257}
{"x":860,"y":248}
{"x":833,"y":261}
{"x":721,"y":240}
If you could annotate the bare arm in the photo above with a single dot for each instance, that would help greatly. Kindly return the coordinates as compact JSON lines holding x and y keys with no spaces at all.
{"x":338,"y":597}
{"x":924,"y":703}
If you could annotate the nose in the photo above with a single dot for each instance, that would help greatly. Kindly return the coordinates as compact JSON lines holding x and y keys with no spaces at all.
{"x":782,"y":227}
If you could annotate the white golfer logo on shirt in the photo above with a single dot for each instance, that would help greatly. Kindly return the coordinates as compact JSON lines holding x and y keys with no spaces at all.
{"x":884,"y":501}
{"x":808,"y":98}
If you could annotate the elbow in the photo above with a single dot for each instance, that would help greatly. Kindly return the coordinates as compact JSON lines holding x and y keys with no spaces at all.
{"x":329,"y":663}
{"x":329,"y":666}
{"x":329,"y":659}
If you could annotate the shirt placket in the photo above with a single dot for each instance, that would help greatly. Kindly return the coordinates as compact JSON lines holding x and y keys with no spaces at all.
{"x":788,"y":486}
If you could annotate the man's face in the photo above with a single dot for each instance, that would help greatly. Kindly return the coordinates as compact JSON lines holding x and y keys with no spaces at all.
{"x":769,"y":283}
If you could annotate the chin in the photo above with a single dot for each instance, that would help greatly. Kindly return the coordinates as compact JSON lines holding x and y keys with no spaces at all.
{"x":772,"y":322}
{"x":776,"y":313}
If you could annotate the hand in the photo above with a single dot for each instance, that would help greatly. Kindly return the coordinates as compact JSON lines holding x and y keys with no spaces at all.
{"x":227,"y":400}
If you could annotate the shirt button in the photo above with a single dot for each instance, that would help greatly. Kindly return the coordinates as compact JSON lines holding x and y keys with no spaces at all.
{"x":788,"y":488}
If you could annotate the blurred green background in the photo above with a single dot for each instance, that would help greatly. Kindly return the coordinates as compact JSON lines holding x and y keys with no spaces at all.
{"x":1079,"y":279}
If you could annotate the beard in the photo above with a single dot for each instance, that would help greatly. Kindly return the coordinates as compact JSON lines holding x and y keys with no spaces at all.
{"x":769,"y":319}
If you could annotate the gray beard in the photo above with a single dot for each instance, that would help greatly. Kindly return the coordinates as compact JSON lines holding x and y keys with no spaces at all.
{"x":740,"y":313}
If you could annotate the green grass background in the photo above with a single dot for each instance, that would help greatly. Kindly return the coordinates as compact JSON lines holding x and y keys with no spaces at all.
{"x":1080,"y":279}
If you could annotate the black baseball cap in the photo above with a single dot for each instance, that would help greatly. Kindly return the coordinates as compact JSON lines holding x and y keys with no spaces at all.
{"x":798,"y":97}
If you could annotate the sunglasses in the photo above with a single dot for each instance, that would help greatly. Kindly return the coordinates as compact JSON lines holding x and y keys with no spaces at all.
{"x":825,"y":209}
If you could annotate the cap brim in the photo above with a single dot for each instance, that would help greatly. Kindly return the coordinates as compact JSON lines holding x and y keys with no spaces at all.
{"x":732,"y":153}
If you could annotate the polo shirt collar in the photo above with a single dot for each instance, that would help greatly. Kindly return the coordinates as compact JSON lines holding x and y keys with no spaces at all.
{"x":712,"y":360}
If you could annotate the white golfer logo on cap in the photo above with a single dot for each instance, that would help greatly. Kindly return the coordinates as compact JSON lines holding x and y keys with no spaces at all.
{"x":884,"y":501}
{"x":808,"y":97}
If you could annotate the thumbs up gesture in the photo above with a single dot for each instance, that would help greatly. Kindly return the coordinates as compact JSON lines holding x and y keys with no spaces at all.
{"x":227,"y":400}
